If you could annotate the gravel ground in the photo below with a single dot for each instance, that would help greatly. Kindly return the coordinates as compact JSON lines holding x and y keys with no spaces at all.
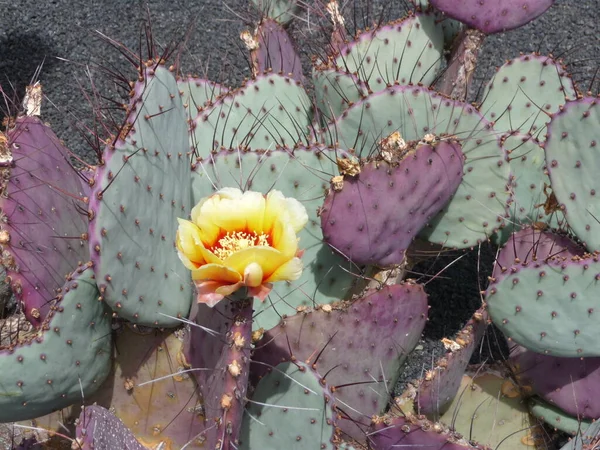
{"x":65,"y":35}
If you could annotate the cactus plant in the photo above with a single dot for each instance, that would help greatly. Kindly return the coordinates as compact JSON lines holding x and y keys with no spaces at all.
{"x":290,"y":220}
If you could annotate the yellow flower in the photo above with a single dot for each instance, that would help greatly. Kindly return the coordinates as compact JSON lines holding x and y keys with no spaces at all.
{"x":241,"y":239}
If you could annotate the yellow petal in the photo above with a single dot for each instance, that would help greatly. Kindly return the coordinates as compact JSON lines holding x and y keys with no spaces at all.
{"x":290,"y":271}
{"x":284,"y":238}
{"x":209,"y":231}
{"x":216,"y":272}
{"x":274,"y":209}
{"x":188,"y":234}
{"x":253,"y":275}
{"x":268,"y":258}
{"x":230,"y":193}
{"x":296,"y":211}
{"x":186,"y":262}
{"x":190,"y":244}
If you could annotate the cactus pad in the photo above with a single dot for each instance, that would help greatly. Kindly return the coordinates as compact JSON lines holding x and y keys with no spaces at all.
{"x":224,"y":392}
{"x":197,"y":93}
{"x":493,"y":17}
{"x":77,"y":335}
{"x":556,"y":418}
{"x":292,"y":407}
{"x":572,"y":157}
{"x":524,"y":92}
{"x":149,"y":390}
{"x":138,"y":195}
{"x":375,"y":215}
{"x":490,"y":410}
{"x":390,"y":433}
{"x":275,"y":51}
{"x":550,"y":308}
{"x":360,"y":346}
{"x":281,"y":10}
{"x":409,"y":50}
{"x":530,"y":180}
{"x":529,"y":246}
{"x":564,"y":382}
{"x":303,"y":174}
{"x":46,"y":231}
{"x":266,"y":112}
{"x":478,"y":206}
{"x":437,"y":390}
{"x":335,"y":91}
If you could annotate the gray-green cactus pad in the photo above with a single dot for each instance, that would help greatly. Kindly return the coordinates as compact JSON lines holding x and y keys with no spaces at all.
{"x":524,"y":92}
{"x":557,"y":418}
{"x":527,"y":162}
{"x":283,"y":11}
{"x":290,"y":409}
{"x":573,"y":159}
{"x":198,"y":93}
{"x":406,"y":51}
{"x":335,"y":91}
{"x":49,"y":370}
{"x":140,"y":192}
{"x":550,"y":308}
{"x":479,"y":204}
{"x":267,"y":112}
{"x":304,"y":175}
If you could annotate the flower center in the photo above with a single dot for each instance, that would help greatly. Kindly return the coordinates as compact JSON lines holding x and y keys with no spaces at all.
{"x":234,"y":241}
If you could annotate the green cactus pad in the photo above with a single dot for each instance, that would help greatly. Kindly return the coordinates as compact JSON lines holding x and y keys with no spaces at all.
{"x":138,"y":195}
{"x":335,"y":91}
{"x":304,"y":175}
{"x":269,"y":111}
{"x":527,"y":162}
{"x":556,"y":418}
{"x":586,"y":434}
{"x":550,"y":308}
{"x":293,"y":410}
{"x":479,"y":204}
{"x":573,"y":158}
{"x":409,"y":50}
{"x":524,"y":92}
{"x":50,"y":368}
{"x":197,"y":93}
{"x":490,"y":410}
{"x":281,"y":10}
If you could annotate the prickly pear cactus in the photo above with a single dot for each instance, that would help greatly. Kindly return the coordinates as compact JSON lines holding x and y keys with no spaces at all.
{"x":43,"y":228}
{"x":138,"y":194}
{"x":76,"y":334}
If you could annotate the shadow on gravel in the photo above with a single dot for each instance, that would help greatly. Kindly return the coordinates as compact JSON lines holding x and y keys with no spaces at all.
{"x":20,"y":56}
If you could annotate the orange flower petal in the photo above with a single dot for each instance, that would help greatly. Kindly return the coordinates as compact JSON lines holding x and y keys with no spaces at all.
{"x":261,"y":292}
{"x":206,"y":293}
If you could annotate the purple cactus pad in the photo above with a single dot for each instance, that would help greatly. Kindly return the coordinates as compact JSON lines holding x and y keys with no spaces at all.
{"x":569,"y":383}
{"x":358,"y":347}
{"x":275,"y":51}
{"x":389,"y":433}
{"x":435,"y":393}
{"x":376,"y":215}
{"x":492,"y":16}
{"x":42,"y":211}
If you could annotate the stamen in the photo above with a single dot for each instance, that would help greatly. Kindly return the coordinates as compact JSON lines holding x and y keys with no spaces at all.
{"x":238,"y":240}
